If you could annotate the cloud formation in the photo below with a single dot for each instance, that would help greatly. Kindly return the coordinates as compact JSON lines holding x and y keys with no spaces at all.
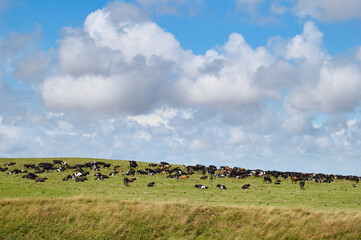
{"x":121,"y":86}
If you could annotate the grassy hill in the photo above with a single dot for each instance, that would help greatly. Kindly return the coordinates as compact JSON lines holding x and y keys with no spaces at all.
{"x":173,"y":209}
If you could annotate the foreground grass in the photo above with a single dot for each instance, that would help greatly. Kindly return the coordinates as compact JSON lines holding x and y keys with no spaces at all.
{"x":86,"y":218}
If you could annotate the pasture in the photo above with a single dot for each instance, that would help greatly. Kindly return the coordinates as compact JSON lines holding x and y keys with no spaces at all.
{"x":325,"y":210}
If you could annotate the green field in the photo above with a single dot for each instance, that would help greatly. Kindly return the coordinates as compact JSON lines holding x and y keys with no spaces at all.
{"x":173,"y":209}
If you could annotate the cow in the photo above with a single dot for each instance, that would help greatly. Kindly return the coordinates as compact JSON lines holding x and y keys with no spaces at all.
{"x":246,"y":186}
{"x":67,"y":178}
{"x":151,"y":184}
{"x":31,"y":176}
{"x":203,"y":177}
{"x":133,"y":164}
{"x":128,"y":180}
{"x":294,"y":179}
{"x":58,"y":162}
{"x":9,"y":164}
{"x":200,"y":186}
{"x":355,"y":185}
{"x":101,"y":177}
{"x":220,"y":186}
{"x":302,"y":184}
{"x":81,"y":179}
{"x":153,"y":165}
{"x":183,"y":177}
{"x":278,"y":182}
{"x":41,"y":179}
{"x":267,"y":179}
{"x":106,"y":165}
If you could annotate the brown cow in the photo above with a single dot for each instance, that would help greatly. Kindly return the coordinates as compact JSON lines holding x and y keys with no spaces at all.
{"x":40,"y":179}
{"x":183,"y":177}
{"x":294,"y":179}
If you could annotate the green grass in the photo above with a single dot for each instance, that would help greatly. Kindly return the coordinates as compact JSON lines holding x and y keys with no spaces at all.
{"x":338,"y":195}
{"x":173,"y":209}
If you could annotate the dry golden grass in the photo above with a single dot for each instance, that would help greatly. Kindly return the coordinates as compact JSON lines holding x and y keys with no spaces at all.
{"x":91,"y":218}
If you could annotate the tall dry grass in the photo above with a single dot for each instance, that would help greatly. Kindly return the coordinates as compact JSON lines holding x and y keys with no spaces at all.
{"x":86,"y":218}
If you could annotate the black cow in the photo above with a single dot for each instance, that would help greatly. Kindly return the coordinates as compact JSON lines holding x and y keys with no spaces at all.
{"x":267,"y":179}
{"x":200,"y":186}
{"x":203,"y":177}
{"x":151,"y":184}
{"x":9,"y":164}
{"x":221,"y":186}
{"x":133,"y":164}
{"x":58,"y":162}
{"x":278,"y":182}
{"x":246,"y":186}
{"x":31,"y":176}
{"x":302,"y":184}
{"x":41,"y":179}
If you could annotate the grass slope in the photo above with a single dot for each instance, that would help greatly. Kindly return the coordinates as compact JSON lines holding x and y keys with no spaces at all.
{"x":82,"y":218}
{"x":173,"y":209}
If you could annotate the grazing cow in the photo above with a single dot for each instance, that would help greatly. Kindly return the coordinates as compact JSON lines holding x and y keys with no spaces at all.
{"x":294,"y":179}
{"x":131,"y":172}
{"x":31,"y":176}
{"x":81,"y":179}
{"x":153,"y":164}
{"x":126,"y":181}
{"x":302,"y":184}
{"x":278,"y":182}
{"x":113,"y":173}
{"x":151,"y":184}
{"x":203,"y":177}
{"x":133,"y":164}
{"x":9,"y":164}
{"x":183,"y":177}
{"x":29,"y":166}
{"x":106,"y":165}
{"x":3,"y":169}
{"x":200,"y":186}
{"x":58,"y":162}
{"x":67,"y":178}
{"x":221,"y":186}
{"x":246,"y":186}
{"x":101,"y":177}
{"x":355,"y":185}
{"x":267,"y":179}
{"x":40,"y":179}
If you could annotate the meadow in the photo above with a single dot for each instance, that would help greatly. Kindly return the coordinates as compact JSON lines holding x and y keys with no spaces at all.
{"x":173,"y":209}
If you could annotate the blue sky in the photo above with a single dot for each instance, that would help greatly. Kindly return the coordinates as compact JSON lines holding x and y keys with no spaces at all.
{"x":257,"y":84}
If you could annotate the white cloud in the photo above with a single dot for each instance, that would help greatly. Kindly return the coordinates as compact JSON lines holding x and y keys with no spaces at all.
{"x":328,"y":10}
{"x":31,"y":66}
{"x":306,"y":46}
{"x":335,"y":91}
{"x":9,"y":131}
{"x":237,"y":136}
{"x":352,"y":122}
{"x":197,"y":145}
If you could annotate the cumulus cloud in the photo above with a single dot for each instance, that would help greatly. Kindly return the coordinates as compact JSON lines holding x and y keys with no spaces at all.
{"x":322,"y":10}
{"x":328,"y":10}
{"x":31,"y":66}
{"x":336,"y":90}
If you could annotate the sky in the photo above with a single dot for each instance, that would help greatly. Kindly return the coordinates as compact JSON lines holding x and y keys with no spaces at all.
{"x":273,"y":85}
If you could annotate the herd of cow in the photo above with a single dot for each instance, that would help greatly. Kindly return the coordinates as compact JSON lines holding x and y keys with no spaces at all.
{"x":82,"y":171}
